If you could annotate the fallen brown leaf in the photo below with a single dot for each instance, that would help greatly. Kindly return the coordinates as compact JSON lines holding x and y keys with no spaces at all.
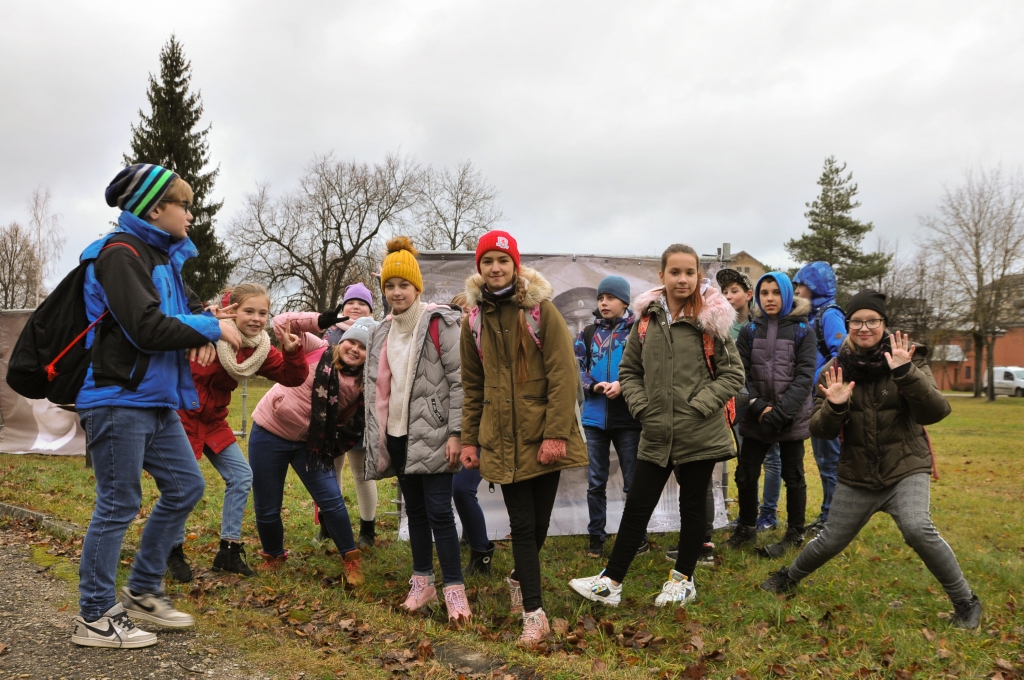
{"x":560,"y":626}
{"x":697,"y":641}
{"x":944,"y":654}
{"x":928,"y":635}
{"x":599,"y":666}
{"x":695,"y":671}
{"x":1004,"y":665}
{"x":424,"y":650}
{"x":780,"y":670}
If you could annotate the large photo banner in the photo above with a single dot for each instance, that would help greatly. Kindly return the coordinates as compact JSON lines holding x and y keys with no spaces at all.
{"x":575,"y":279}
{"x":32,"y":425}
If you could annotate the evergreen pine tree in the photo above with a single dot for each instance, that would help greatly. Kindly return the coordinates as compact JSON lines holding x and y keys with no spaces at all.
{"x":168,"y":137}
{"x":835,"y":237}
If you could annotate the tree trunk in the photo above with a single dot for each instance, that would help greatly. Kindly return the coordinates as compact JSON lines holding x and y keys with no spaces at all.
{"x":990,"y":362}
{"x":979,"y":345}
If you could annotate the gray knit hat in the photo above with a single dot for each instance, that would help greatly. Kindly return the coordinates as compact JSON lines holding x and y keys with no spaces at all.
{"x":361,"y":331}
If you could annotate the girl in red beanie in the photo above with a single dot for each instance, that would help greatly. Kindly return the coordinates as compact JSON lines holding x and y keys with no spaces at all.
{"x":520,"y":377}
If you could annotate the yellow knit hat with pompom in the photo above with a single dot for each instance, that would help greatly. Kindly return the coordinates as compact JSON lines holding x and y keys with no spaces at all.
{"x":401,"y":262}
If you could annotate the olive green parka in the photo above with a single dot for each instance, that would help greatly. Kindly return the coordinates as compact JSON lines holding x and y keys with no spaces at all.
{"x":668,"y":387}
{"x":506,"y":418}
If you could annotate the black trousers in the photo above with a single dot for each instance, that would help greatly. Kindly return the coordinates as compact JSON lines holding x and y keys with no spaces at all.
{"x":748,"y":472}
{"x":648,"y":482}
{"x":529,"y":505}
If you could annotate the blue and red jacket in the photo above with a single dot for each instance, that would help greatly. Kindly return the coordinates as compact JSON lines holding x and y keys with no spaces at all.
{"x":602,"y":365}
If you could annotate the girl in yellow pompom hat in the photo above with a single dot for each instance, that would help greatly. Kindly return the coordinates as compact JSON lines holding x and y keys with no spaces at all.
{"x":413,"y":391}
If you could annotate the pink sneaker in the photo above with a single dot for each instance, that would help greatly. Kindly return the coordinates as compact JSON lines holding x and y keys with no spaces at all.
{"x":535,"y":628}
{"x":422,"y":592}
{"x":516,"y":595}
{"x":458,"y":605}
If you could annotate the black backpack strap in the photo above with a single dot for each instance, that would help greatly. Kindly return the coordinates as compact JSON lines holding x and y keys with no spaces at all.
{"x":823,"y":349}
{"x":588,"y":341}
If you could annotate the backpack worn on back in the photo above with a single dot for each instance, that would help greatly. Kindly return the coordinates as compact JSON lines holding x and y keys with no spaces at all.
{"x":823,"y":349}
{"x":50,"y":360}
{"x":708,"y":342}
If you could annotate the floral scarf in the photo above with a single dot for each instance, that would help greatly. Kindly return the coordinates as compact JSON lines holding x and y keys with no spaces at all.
{"x":332,"y":431}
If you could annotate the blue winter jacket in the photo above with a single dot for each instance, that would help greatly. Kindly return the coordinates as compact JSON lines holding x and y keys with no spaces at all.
{"x":819,"y":277}
{"x":603,"y":366}
{"x":138,"y":357}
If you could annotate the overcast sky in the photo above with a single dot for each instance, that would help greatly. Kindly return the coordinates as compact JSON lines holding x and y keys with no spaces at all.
{"x":608,"y":127}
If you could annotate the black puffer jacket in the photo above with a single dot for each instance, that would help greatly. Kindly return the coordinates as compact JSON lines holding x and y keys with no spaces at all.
{"x":779,"y":357}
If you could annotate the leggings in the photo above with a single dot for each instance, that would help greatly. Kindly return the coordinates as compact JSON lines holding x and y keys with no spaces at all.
{"x":907,"y":502}
{"x":648,"y":482}
{"x":529,"y":504}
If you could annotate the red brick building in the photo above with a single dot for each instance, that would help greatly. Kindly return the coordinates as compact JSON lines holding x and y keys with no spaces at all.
{"x":954,"y":370}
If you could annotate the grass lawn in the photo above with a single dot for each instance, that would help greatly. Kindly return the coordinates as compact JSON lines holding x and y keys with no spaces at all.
{"x":874,"y":611}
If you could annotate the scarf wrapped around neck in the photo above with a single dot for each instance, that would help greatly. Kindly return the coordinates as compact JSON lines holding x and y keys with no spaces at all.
{"x":247,"y":368}
{"x":865,"y":366}
{"x":332,"y":431}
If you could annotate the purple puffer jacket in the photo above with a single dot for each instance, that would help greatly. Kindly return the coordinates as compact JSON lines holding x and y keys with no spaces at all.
{"x":779,"y":357}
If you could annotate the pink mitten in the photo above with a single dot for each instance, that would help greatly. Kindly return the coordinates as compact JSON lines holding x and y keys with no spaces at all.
{"x":550,"y":451}
{"x":469,"y":459}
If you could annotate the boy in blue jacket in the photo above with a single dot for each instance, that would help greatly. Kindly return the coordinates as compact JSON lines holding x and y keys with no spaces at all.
{"x":606,"y":418}
{"x":138,"y":377}
{"x":817,"y":282}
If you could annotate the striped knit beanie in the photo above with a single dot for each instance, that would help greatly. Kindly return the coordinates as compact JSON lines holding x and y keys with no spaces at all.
{"x":138,"y":188}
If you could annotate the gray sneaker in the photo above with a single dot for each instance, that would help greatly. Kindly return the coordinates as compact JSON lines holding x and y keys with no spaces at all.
{"x":113,"y":629}
{"x":967,"y":614}
{"x":155,"y":608}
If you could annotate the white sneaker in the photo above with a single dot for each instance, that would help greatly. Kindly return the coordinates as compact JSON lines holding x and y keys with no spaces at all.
{"x":598,"y":588}
{"x":677,"y":590}
{"x":155,"y":608}
{"x":113,"y":629}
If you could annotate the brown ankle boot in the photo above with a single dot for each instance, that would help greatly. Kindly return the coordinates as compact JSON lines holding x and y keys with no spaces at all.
{"x":353,"y":568}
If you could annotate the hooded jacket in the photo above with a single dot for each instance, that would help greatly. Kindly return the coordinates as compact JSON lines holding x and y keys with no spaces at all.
{"x":435,"y":400}
{"x":207,"y":427}
{"x":605,"y":354}
{"x":779,"y":357}
{"x":882,"y":425}
{"x":509,"y":419}
{"x":819,"y":277}
{"x":285,"y":411}
{"x":668,"y":387}
{"x":137,"y":357}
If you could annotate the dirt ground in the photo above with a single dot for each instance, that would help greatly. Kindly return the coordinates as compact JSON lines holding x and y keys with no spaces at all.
{"x":36,"y":613}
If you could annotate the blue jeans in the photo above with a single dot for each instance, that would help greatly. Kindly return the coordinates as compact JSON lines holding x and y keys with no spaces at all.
{"x":270,"y":456}
{"x":124,"y":442}
{"x":474,"y":526}
{"x":428,"y":507}
{"x":826,"y":455}
{"x":772,"y":484}
{"x":237,"y":475}
{"x":627,"y":442}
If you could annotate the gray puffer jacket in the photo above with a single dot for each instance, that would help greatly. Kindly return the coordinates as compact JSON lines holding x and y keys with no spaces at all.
{"x":435,"y":402}
{"x":779,"y":357}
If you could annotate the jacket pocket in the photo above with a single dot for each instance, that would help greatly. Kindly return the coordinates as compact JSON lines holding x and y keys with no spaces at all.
{"x":489,"y":436}
{"x":532,"y":414}
{"x":436,"y":411}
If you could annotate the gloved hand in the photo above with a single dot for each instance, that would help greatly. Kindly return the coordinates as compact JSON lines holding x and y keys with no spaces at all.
{"x":469,"y":458}
{"x":329,"y":318}
{"x":550,"y":451}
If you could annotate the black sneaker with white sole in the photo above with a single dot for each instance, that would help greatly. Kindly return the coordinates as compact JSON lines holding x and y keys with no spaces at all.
{"x":114,"y":629}
{"x":155,"y":608}
{"x":967,"y":614}
{"x":706,"y":556}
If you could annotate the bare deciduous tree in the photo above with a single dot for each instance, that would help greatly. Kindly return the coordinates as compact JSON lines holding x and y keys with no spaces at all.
{"x":979,"y":231}
{"x":307,"y":245}
{"x":18,"y":268}
{"x":47,"y":239}
{"x":455,"y":208}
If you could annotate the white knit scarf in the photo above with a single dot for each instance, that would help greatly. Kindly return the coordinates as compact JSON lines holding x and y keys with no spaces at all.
{"x":246,"y":369}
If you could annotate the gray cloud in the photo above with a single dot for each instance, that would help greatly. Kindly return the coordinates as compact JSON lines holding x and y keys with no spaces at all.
{"x":608,"y":127}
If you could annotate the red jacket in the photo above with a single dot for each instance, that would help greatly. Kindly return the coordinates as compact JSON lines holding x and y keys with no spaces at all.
{"x":208,"y":426}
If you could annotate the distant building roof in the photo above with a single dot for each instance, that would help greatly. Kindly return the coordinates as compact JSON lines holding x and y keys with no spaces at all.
{"x":947,"y":353}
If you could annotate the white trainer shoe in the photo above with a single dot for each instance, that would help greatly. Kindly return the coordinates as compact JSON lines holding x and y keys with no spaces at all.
{"x":677,"y":590}
{"x":113,"y":629}
{"x":598,"y":589}
{"x":155,"y":608}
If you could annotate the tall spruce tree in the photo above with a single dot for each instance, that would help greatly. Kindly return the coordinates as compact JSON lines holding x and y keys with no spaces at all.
{"x":169,"y":137}
{"x":835,"y":237}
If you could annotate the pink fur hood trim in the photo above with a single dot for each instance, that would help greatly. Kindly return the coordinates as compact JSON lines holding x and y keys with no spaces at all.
{"x":716,"y":318}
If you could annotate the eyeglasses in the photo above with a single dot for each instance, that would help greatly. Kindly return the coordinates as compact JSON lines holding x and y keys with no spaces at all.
{"x":869,"y":323}
{"x":187,"y":205}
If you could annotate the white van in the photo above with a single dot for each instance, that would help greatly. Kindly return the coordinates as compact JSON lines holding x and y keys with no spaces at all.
{"x":1007,"y":380}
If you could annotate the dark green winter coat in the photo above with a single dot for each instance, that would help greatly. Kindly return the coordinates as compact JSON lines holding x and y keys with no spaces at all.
{"x":668,"y":387}
{"x":882,"y":425}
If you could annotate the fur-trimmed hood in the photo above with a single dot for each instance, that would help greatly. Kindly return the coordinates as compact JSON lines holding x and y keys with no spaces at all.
{"x":531,"y":289}
{"x":716,"y":317}
{"x":801,"y":308}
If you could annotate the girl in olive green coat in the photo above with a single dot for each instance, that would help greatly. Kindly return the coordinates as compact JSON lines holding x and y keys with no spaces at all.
{"x":678,"y":372}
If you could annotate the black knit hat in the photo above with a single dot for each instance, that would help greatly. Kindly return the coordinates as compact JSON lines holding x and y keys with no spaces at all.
{"x":867,"y":299}
{"x":138,"y":188}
